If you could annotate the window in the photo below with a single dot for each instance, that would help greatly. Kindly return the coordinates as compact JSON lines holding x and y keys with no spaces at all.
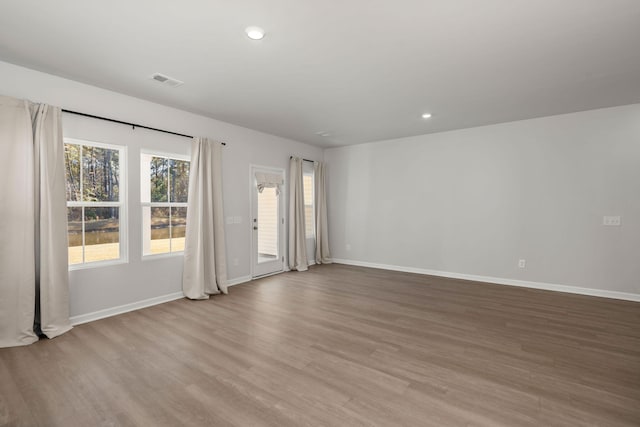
{"x":309,"y":217}
{"x":95,"y":201}
{"x":164,"y":191}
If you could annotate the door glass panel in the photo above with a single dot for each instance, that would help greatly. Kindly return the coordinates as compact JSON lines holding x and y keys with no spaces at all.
{"x":267,"y":225}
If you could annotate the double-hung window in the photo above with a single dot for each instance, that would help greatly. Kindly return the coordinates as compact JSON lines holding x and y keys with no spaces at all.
{"x":95,"y":201}
{"x":164,"y":190}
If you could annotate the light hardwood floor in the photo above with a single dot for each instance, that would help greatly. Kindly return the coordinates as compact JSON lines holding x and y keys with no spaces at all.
{"x":339,"y":346}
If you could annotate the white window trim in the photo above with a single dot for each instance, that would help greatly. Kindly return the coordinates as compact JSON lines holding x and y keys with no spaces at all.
{"x":166,"y":155}
{"x":122,"y":205}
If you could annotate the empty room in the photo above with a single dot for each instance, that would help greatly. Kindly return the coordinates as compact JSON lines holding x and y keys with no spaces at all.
{"x":320,"y":213}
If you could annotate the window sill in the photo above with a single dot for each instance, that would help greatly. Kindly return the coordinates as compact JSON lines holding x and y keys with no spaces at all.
{"x":162,"y":256}
{"x":97,"y":264}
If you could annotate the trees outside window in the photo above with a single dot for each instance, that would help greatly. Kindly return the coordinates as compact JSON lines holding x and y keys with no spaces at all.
{"x":95,"y":201}
{"x":164,"y":193}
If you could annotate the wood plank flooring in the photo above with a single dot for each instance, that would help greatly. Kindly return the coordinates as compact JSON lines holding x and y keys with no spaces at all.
{"x":339,"y":346}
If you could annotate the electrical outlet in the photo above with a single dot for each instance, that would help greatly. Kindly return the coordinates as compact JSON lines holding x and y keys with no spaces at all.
{"x":347,"y":247}
{"x":611,"y":220}
{"x":522,"y":263}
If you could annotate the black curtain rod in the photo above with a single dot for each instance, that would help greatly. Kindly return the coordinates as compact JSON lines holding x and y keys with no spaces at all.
{"x":129,"y":124}
{"x":306,"y":160}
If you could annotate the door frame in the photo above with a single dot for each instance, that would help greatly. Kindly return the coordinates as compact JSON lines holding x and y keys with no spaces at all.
{"x":253,"y":168}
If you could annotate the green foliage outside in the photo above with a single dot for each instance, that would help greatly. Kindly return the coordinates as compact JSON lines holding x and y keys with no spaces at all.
{"x":169,"y":180}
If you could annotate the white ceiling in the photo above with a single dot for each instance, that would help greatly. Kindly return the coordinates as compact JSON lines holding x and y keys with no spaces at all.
{"x":361,"y":70}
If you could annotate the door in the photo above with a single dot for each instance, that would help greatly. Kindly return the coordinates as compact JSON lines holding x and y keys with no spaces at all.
{"x":267,"y":220}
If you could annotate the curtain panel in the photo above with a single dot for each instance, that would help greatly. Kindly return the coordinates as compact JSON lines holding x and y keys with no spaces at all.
{"x":322,"y":231}
{"x":297,"y":238}
{"x":34,"y":278}
{"x":205,"y":264}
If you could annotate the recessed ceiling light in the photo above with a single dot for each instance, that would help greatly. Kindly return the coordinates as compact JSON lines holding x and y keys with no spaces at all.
{"x":426,"y":116}
{"x":323,"y":134}
{"x":254,"y":33}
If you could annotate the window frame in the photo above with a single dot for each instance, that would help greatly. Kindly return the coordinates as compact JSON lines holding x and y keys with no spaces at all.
{"x":149,"y":204}
{"x":121,"y":204}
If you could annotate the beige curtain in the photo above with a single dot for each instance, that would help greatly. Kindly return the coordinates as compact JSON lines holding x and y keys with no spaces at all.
{"x":297,"y":238}
{"x":322,"y":232}
{"x":34,"y":279}
{"x":205,"y":264}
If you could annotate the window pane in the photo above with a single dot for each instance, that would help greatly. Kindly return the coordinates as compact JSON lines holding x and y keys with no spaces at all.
{"x":178,"y":227}
{"x":72,"y":169}
{"x":159,"y":174}
{"x":74,"y":229}
{"x":101,"y":234}
{"x":160,"y":231}
{"x":100,"y":174}
{"x":307,"y":183}
{"x":168,"y":184}
{"x":309,"y":229}
{"x":179,"y":180}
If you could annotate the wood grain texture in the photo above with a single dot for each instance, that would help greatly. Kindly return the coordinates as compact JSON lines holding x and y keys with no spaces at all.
{"x":339,"y":346}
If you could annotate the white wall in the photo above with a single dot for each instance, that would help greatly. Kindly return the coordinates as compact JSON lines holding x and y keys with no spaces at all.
{"x":475,"y":201}
{"x":105,"y":287}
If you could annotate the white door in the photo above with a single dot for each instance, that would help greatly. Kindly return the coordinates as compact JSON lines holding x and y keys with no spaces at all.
{"x":267,"y":223}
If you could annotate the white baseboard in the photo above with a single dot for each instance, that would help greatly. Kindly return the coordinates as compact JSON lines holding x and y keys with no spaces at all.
{"x":113,"y":311}
{"x":498,"y":280}
{"x":108,"y":312}
{"x":238,"y":280}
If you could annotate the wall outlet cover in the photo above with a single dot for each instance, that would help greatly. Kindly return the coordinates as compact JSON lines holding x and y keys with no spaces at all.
{"x":614,"y":220}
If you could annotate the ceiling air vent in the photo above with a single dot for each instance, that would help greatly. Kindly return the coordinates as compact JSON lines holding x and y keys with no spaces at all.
{"x":166,"y":80}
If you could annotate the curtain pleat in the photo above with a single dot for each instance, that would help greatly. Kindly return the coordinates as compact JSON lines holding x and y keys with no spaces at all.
{"x":33,"y":223}
{"x":205,"y":265}
{"x":322,"y":232}
{"x":297,"y":238}
{"x":52,"y":271}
